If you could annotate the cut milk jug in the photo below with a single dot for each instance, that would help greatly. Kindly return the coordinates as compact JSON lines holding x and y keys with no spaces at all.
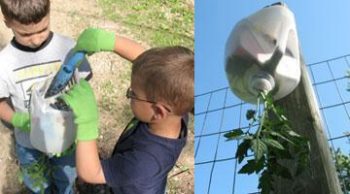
{"x":262,"y":54}
{"x":52,"y":130}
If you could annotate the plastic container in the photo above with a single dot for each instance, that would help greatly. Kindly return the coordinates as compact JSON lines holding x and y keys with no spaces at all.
{"x":52,"y":130}
{"x":262,"y":54}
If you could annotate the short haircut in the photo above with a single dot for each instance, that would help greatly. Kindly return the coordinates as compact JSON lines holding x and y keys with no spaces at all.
{"x":25,"y":11}
{"x":167,"y":75}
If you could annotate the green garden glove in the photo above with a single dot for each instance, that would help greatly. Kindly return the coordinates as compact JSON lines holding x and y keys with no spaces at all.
{"x":21,"y":121}
{"x":95,"y":40}
{"x":82,"y":101}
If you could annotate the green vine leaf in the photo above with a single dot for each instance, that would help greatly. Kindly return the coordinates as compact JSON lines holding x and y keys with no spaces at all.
{"x":250,"y":114}
{"x":242,"y":150}
{"x":249,"y":168}
{"x":342,"y":164}
{"x":265,"y":182}
{"x":234,"y":134}
{"x":283,"y":171}
{"x":259,"y":148}
{"x":281,"y":136}
{"x":273,"y":143}
{"x":37,"y":172}
{"x":260,"y":165}
{"x":292,"y":133}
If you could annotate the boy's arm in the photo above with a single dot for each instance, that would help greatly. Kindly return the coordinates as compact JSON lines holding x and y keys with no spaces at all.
{"x":126,"y":48}
{"x":19,"y":120}
{"x":86,"y":119}
{"x":88,"y":163}
{"x":6,"y":112}
{"x":93,"y":40}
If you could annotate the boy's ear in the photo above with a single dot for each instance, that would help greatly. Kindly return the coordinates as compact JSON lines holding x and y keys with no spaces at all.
{"x":7,"y":23}
{"x":160,"y":112}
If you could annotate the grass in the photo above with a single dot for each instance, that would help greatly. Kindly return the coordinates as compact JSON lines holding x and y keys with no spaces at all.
{"x":157,"y":22}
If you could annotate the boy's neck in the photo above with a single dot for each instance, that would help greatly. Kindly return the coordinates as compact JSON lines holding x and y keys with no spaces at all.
{"x":168,"y":128}
{"x":29,"y":49}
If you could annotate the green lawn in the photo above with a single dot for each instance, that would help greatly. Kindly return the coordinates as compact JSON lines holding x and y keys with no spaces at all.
{"x":157,"y":22}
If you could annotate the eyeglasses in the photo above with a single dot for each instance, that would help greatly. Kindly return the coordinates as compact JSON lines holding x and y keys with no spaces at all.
{"x":131,"y":95}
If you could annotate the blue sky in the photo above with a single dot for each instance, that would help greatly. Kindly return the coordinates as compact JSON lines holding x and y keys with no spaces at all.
{"x":323,"y":29}
{"x":324,"y":33}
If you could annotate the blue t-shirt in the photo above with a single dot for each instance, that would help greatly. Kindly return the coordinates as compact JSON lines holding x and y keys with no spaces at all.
{"x":141,"y":160}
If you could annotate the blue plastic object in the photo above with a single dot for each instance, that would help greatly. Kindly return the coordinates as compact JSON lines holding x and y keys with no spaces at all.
{"x":66,"y":72}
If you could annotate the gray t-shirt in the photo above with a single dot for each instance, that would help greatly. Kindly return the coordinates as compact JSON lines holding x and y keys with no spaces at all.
{"x":21,"y":67}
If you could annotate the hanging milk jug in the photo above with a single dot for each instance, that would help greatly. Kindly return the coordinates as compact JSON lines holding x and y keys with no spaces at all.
{"x":262,"y":54}
{"x":52,"y":122}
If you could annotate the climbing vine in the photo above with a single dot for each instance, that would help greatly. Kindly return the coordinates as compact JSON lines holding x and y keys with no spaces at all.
{"x":271,"y":142}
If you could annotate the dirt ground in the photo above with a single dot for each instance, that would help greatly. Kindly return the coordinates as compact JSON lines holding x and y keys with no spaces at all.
{"x":109,"y":82}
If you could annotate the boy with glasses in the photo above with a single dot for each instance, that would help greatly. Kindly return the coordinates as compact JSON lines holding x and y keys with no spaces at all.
{"x":161,"y":93}
{"x":131,"y":95}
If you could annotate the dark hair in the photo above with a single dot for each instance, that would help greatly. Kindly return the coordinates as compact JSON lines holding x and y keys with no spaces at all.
{"x":25,"y":11}
{"x":167,"y":74}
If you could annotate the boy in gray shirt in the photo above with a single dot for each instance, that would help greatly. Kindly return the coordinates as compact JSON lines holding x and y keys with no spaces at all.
{"x":33,"y":54}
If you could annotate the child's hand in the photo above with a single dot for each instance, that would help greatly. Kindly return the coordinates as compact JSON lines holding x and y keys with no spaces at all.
{"x":83,"y":103}
{"x":95,"y":40}
{"x":21,"y":121}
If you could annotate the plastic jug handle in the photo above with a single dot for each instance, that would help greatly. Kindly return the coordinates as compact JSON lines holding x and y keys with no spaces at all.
{"x":271,"y":65}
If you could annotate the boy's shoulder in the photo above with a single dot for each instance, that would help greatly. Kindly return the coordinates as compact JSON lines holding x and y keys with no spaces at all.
{"x":7,"y":52}
{"x":136,"y":124}
{"x":63,"y":39}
